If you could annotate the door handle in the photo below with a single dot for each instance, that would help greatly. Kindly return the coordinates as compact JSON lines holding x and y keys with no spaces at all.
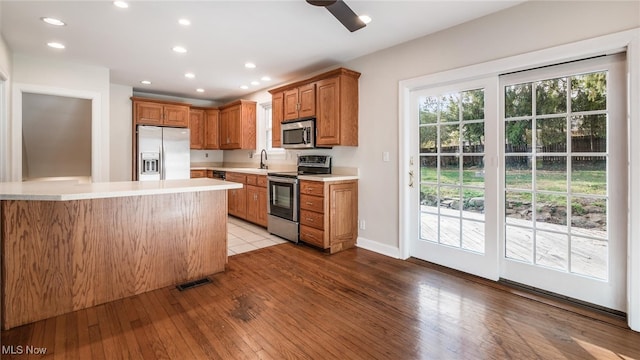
{"x":410,"y":178}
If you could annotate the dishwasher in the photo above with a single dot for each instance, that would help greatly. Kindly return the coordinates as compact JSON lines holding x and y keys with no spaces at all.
{"x":219,"y":174}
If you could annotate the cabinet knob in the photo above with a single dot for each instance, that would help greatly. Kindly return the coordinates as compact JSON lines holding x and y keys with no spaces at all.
{"x":310,"y":219}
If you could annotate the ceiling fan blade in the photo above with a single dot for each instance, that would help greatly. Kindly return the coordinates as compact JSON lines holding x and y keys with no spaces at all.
{"x":345,"y":15}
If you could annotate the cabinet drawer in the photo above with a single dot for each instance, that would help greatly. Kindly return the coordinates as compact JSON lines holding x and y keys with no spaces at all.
{"x":235,"y":177}
{"x":262,"y":181}
{"x":313,"y":203}
{"x":312,"y":188}
{"x":198,"y":173}
{"x":312,"y":219}
{"x":252,"y":180}
{"x":312,"y":236}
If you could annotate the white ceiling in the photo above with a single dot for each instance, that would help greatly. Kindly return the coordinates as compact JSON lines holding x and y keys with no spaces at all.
{"x":285,"y":39}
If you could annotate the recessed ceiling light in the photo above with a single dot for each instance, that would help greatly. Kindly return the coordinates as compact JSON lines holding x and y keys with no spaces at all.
{"x":121,"y":4}
{"x":365,"y":18}
{"x":53,"y":21}
{"x":244,"y":87}
{"x":145,"y":82}
{"x":184,"y":22}
{"x":250,"y":65}
{"x":179,"y":49}
{"x":190,"y":75}
{"x":200,"y":90}
{"x":55,"y":45}
{"x":255,"y":83}
{"x":265,"y":78}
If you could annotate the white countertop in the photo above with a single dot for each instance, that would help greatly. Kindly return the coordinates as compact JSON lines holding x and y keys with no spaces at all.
{"x":328,"y":177}
{"x":62,"y":191}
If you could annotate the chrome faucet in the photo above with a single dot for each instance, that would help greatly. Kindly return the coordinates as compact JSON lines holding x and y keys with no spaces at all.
{"x":262,"y":164}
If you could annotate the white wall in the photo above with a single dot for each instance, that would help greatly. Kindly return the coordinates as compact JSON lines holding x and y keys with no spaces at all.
{"x":120,"y":132}
{"x":528,"y":27}
{"x":5,"y":108}
{"x":55,"y":77}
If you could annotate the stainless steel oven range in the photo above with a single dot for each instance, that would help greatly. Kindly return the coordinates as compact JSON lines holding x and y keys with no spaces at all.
{"x":283,"y":195}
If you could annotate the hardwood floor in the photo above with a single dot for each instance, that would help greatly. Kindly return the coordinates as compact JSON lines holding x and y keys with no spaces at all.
{"x":293,"y":302}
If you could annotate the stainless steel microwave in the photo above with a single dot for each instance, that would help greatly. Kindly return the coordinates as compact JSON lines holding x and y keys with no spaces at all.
{"x":299,"y":134}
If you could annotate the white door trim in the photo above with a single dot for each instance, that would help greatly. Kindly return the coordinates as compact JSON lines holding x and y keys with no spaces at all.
{"x":99,"y":129}
{"x":627,"y":40}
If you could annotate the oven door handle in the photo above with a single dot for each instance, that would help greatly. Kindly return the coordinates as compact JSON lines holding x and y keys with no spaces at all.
{"x":282,"y":180}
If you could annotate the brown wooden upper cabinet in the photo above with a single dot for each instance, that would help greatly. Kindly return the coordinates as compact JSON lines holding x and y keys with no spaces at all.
{"x":212,"y":129}
{"x":277,"y":115}
{"x":204,"y":128}
{"x":196,"y":126}
{"x":335,"y":99}
{"x":160,"y":113}
{"x":300,"y":102}
{"x":238,"y":125}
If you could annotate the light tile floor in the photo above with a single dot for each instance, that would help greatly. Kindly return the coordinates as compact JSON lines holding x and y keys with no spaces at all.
{"x":243,"y":236}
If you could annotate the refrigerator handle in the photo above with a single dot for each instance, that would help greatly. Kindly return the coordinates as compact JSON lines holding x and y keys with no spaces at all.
{"x":162,"y":172}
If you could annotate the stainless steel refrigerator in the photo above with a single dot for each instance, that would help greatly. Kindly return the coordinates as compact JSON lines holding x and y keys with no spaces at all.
{"x":163,"y":153}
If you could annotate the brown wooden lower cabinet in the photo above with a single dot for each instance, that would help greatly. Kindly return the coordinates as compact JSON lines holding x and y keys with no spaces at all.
{"x":329,"y":214}
{"x":250,"y":202}
{"x":198,"y":174}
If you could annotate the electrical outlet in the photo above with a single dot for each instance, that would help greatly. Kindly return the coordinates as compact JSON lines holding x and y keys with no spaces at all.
{"x":361,"y":224}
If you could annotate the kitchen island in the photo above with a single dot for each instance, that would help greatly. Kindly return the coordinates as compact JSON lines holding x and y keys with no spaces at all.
{"x":68,"y":246}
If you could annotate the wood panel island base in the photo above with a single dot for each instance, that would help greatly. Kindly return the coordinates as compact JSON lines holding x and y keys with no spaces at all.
{"x":94,"y":247}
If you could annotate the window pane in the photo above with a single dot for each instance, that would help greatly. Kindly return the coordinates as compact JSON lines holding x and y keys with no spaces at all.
{"x":450,"y":231}
{"x":450,"y":200}
{"x":519,"y":244}
{"x":589,"y":92}
{"x":551,"y":135}
{"x":589,"y":257}
{"x":429,"y":198}
{"x":517,"y":208}
{"x":429,"y":227}
{"x":518,"y":100}
{"x":428,"y":139}
{"x":589,"y":216}
{"x":473,"y":105}
{"x":551,"y":212}
{"x":551,"y":96}
{"x":518,"y":172}
{"x":517,"y":136}
{"x":429,"y":168}
{"x":552,"y":250}
{"x":449,"y":170}
{"x":551,"y":173}
{"x":473,"y":137}
{"x":450,"y":108}
{"x":450,"y":138}
{"x":473,"y":170}
{"x":589,"y":133}
{"x":589,"y":175}
{"x":428,"y":110}
{"x":473,"y":235}
{"x":473,"y":204}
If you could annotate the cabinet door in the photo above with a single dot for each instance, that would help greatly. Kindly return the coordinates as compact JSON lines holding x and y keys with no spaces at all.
{"x":230,"y":128}
{"x":176,"y":115}
{"x":328,"y":112}
{"x":343,"y":212}
{"x":291,"y":104}
{"x":196,"y":126}
{"x":252,"y":204}
{"x":148,"y":113}
{"x":262,"y":206}
{"x":212,"y":129}
{"x":307,"y":98}
{"x":277,"y":115}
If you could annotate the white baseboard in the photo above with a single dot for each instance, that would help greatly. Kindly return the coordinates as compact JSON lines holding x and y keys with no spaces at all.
{"x":375,"y":246}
